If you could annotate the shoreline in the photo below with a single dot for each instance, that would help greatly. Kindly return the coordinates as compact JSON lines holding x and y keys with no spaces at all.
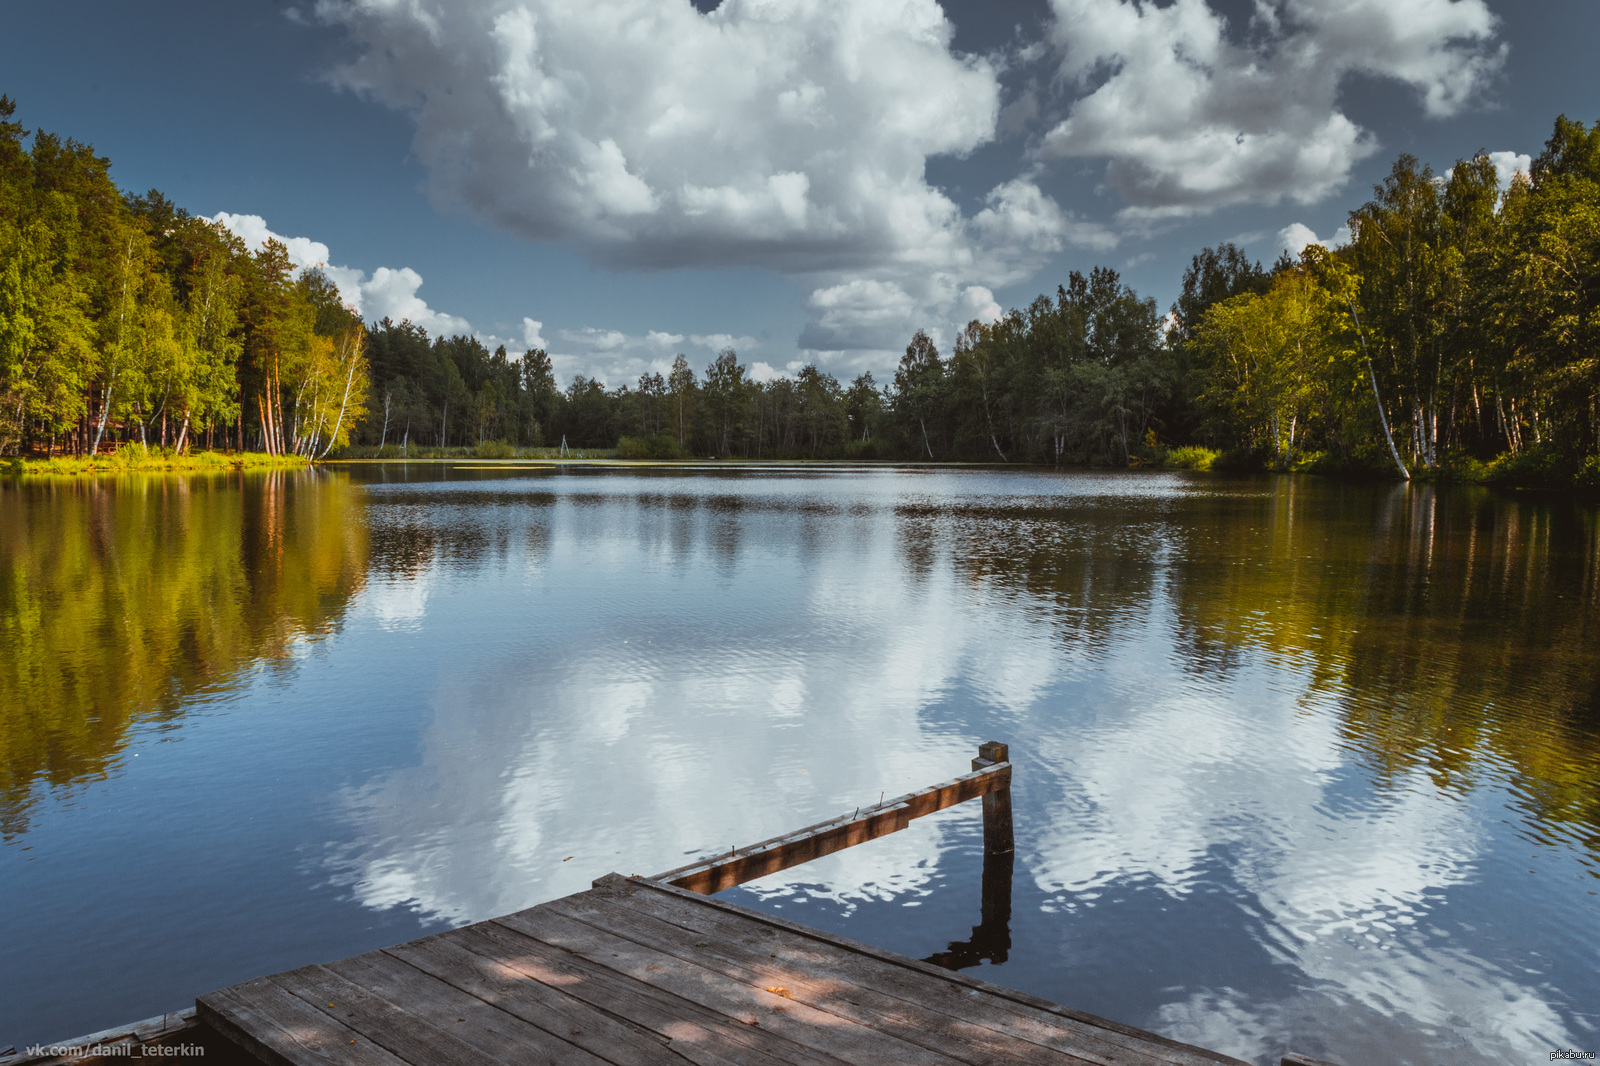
{"x":128,"y":460}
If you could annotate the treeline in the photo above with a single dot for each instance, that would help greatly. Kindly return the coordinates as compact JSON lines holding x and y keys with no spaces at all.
{"x":123,"y":318}
{"x":1457,"y":328}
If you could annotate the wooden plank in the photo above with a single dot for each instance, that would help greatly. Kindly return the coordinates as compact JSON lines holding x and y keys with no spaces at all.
{"x":406,"y":1036}
{"x":852,"y":993}
{"x":747,"y":1003}
{"x":501,"y":1036}
{"x":697,"y":1033}
{"x":739,"y":865}
{"x":872,"y":978}
{"x":282,"y":1029}
{"x":496,"y":983}
{"x":1167,"y":1049}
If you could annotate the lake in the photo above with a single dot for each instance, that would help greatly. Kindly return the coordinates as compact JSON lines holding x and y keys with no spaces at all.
{"x":1299,"y":764}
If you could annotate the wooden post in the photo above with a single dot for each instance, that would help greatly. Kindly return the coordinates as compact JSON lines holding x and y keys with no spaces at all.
{"x":997,"y":837}
{"x":991,"y":937}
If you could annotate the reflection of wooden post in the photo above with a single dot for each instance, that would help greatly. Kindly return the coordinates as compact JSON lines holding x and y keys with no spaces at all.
{"x":997,"y":838}
{"x":991,"y":937}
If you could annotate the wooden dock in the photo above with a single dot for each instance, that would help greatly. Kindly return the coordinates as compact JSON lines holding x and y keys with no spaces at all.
{"x":651,"y":970}
{"x":637,"y":971}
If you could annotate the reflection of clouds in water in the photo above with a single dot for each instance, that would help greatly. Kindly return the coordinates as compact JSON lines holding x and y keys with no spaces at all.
{"x":636,"y":756}
{"x":397,"y":604}
{"x":1340,"y":881}
{"x":704,"y":654}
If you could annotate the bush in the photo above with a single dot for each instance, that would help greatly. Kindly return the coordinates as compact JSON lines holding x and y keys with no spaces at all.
{"x":861,"y":449}
{"x":660,"y":446}
{"x":1539,"y":467}
{"x":494,"y":449}
{"x":1189,"y":457}
{"x":1589,"y":474}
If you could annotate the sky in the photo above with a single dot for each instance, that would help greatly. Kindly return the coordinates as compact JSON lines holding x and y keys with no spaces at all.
{"x":805,"y":181}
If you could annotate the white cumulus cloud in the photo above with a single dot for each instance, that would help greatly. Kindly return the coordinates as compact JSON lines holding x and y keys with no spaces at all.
{"x":388,"y":293}
{"x":533,"y":333}
{"x":717,"y":341}
{"x":1295,"y":237}
{"x":1507,"y":165}
{"x":791,"y":135}
{"x":1193,"y":112}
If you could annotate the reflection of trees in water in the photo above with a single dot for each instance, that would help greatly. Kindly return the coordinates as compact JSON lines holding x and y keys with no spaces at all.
{"x":1092,"y":562}
{"x":415,"y":530}
{"x":121,"y":598}
{"x":1456,"y":628}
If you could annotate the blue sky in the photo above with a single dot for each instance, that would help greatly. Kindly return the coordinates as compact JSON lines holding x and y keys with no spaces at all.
{"x":804,"y":179}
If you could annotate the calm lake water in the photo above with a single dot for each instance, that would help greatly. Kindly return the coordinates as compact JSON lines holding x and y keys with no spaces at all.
{"x":1298,"y":764}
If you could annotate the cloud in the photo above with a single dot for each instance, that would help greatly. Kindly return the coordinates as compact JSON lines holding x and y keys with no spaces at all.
{"x":1194,"y":113}
{"x":252,"y":229}
{"x":977,"y":303}
{"x":389,"y":293}
{"x":863,"y":313}
{"x":596,"y":340}
{"x":1294,"y":238}
{"x":795,"y":135}
{"x":790,"y":135}
{"x":533,"y":333}
{"x":716,"y":342}
{"x":617,"y":357}
{"x":1507,"y":165}
{"x":392,"y":294}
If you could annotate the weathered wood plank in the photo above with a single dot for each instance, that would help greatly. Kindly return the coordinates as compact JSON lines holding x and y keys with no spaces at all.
{"x":697,"y":1033}
{"x":282,"y":1029}
{"x":494,"y":981}
{"x":406,"y":1036}
{"x":864,"y":991}
{"x":831,"y":967}
{"x":747,"y":1003}
{"x":1168,"y":1050}
{"x":499,"y":1035}
{"x":739,"y":865}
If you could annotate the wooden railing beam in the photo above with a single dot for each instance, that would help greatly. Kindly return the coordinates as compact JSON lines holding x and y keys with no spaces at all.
{"x":990,"y":781}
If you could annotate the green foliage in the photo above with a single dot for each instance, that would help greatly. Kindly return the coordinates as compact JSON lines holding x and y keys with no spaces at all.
{"x":1588,"y":476}
{"x":1189,"y":457}
{"x":1457,"y":336}
{"x":136,"y":458}
{"x":122,"y":318}
{"x":657,"y":446}
{"x":1541,"y":466}
{"x":494,"y":449}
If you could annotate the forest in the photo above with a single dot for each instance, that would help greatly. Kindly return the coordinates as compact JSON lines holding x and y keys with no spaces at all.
{"x":1454,"y":335}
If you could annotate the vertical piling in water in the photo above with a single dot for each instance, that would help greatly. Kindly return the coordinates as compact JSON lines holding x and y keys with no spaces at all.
{"x":997,"y":839}
{"x":999,"y":856}
{"x":991,"y":937}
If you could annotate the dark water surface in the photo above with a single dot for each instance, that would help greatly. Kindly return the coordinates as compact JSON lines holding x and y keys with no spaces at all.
{"x":1298,"y":764}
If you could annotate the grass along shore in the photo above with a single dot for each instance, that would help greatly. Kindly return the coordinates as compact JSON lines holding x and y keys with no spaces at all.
{"x":137,"y":459}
